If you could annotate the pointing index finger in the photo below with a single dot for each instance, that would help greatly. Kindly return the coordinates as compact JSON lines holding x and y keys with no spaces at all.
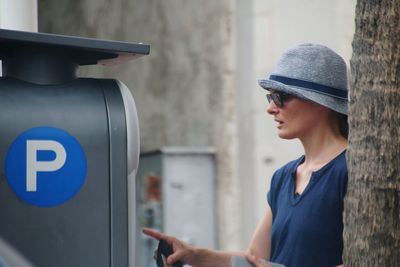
{"x":155,"y":234}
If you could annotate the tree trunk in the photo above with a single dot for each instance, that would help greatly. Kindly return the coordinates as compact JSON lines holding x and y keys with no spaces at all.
{"x":372,"y":205}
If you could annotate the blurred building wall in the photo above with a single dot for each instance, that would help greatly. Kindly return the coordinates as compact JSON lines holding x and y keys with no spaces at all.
{"x":18,"y":15}
{"x":199,"y":85}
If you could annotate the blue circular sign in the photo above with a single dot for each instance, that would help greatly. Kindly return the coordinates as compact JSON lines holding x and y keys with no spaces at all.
{"x":45,"y":166}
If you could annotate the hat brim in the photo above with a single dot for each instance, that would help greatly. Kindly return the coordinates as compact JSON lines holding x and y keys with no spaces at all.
{"x":336,"y":104}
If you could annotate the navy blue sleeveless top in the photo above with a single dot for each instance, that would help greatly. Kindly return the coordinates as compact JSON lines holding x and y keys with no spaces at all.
{"x":307,"y":230}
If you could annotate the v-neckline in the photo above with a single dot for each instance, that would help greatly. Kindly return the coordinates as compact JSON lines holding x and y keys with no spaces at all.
{"x":315,"y":175}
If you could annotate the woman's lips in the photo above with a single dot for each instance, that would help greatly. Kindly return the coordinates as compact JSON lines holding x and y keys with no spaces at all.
{"x":278,"y":123}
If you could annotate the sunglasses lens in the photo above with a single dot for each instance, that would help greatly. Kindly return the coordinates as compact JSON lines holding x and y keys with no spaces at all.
{"x":278,"y":98}
{"x":269,"y":98}
{"x":275,"y":98}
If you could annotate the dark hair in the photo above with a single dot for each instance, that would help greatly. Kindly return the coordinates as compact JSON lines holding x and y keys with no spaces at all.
{"x":343,"y":125}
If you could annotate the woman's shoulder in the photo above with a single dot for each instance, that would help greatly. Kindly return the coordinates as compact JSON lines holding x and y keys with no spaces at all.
{"x":286,"y":171}
{"x":281,"y":179}
{"x":290,"y":167}
{"x":340,"y":162}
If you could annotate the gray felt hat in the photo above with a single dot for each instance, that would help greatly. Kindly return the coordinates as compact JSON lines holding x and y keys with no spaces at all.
{"x":312,"y":72}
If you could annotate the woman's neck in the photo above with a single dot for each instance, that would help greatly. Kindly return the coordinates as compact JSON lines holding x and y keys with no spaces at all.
{"x":322,"y":145}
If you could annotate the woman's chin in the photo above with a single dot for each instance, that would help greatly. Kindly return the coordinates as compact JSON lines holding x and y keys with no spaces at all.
{"x":286,"y":136}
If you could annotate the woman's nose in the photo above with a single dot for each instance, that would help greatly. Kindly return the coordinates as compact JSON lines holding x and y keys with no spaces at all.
{"x":272,"y":108}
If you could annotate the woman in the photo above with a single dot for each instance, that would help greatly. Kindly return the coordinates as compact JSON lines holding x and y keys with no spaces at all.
{"x":302,"y":224}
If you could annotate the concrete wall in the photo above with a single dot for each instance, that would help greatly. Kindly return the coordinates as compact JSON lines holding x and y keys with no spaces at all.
{"x":18,"y":15}
{"x":184,"y":90}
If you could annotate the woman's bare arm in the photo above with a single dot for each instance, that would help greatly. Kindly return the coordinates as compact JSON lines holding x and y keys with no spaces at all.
{"x":260,"y":244}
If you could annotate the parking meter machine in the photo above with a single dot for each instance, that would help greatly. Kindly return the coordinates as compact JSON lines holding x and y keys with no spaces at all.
{"x":69,"y":151}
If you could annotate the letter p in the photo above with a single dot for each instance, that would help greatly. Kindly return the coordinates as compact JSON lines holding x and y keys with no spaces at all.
{"x":33,"y":166}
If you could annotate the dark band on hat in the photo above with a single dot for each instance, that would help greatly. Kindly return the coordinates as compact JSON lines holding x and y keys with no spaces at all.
{"x":311,"y":85}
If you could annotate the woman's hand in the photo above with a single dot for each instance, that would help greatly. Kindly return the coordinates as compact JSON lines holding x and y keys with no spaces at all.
{"x":187,"y":254}
{"x":257,"y":262}
{"x":181,"y":251}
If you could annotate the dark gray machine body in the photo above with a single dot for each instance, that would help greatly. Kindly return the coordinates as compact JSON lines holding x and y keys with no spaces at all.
{"x":91,"y":228}
{"x":79,"y":232}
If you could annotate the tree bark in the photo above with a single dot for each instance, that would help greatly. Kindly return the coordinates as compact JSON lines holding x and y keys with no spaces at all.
{"x":372,"y":205}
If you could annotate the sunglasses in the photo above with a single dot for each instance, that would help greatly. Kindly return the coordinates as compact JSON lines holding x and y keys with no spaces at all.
{"x":279,"y":98}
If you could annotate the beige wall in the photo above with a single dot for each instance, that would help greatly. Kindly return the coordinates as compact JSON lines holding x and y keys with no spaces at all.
{"x":18,"y":15}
